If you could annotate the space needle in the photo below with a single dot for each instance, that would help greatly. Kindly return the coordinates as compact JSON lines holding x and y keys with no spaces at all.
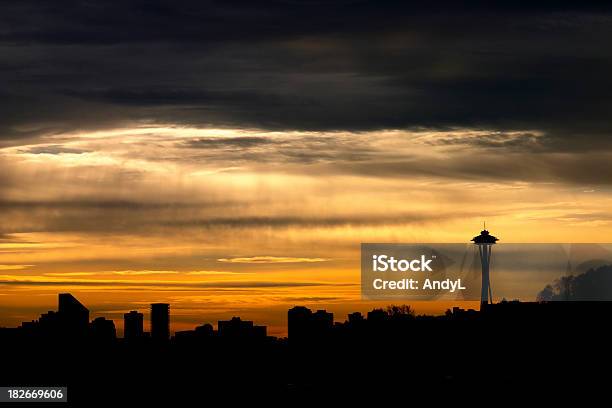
{"x":485,"y":241}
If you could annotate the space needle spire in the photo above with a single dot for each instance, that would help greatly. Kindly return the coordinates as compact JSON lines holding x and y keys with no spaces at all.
{"x":485,"y":241}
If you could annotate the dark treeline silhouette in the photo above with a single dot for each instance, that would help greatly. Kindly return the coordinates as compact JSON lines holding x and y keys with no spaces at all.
{"x":509,"y":345}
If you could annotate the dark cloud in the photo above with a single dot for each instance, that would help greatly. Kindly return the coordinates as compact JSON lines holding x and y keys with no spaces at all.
{"x":228,"y":142}
{"x":305,"y":299}
{"x":590,"y":170}
{"x":139,"y":217}
{"x":4,"y":238}
{"x":103,"y":205}
{"x":521,"y":142}
{"x":111,"y":22}
{"x":356,"y":65}
{"x":311,"y":222}
{"x":159,"y":96}
{"x":300,"y":149}
{"x":54,"y":149}
{"x":164,"y":285}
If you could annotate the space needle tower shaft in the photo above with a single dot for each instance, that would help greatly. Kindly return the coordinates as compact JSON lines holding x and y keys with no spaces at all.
{"x":485,"y":242}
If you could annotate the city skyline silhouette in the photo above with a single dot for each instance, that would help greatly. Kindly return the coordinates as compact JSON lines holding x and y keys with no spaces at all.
{"x":582,"y":274}
{"x":444,"y":352}
{"x":192,"y":194}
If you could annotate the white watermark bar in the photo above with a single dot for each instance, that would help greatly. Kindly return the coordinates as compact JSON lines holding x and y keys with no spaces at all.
{"x":33,"y":394}
{"x":486,"y":271}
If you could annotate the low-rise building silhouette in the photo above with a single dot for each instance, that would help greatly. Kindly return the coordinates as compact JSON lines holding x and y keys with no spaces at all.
{"x":236,"y":328}
{"x":203,"y":334}
{"x":205,"y":330}
{"x":322,"y":321}
{"x":103,"y":330}
{"x":355,"y":317}
{"x":304,"y":326}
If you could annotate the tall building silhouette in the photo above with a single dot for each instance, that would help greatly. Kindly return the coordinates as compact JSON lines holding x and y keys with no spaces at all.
{"x":485,"y":241}
{"x":71,"y":309}
{"x":72,"y":316}
{"x":160,"y":321}
{"x":133,"y":325}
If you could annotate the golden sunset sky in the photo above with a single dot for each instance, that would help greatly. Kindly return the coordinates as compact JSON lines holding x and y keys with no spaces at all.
{"x":224,"y":222}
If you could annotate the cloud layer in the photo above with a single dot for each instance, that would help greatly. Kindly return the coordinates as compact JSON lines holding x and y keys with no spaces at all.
{"x":350,"y":65}
{"x":244,"y":141}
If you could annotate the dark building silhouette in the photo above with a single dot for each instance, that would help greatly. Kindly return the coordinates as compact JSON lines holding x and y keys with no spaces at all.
{"x":355,"y":317}
{"x":47,"y":322}
{"x":298,"y":322}
{"x":72,"y":315}
{"x":70,"y":323}
{"x":133,"y":325}
{"x":377,"y":316}
{"x":356,"y":321}
{"x":205,"y":330}
{"x":240,"y":329}
{"x":160,"y":321}
{"x":103,"y":330}
{"x":457,"y":313}
{"x":185,"y":336}
{"x":445,"y":352}
{"x":322,"y":321}
{"x":203,"y":334}
{"x":303,"y":325}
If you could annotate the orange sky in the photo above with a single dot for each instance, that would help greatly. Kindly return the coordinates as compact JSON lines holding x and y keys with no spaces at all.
{"x":224,"y":222}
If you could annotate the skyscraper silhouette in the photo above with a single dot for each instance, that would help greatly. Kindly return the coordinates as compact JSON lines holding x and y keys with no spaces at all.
{"x":160,"y":321}
{"x":72,"y":316}
{"x":72,"y":309}
{"x":133,"y":325}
